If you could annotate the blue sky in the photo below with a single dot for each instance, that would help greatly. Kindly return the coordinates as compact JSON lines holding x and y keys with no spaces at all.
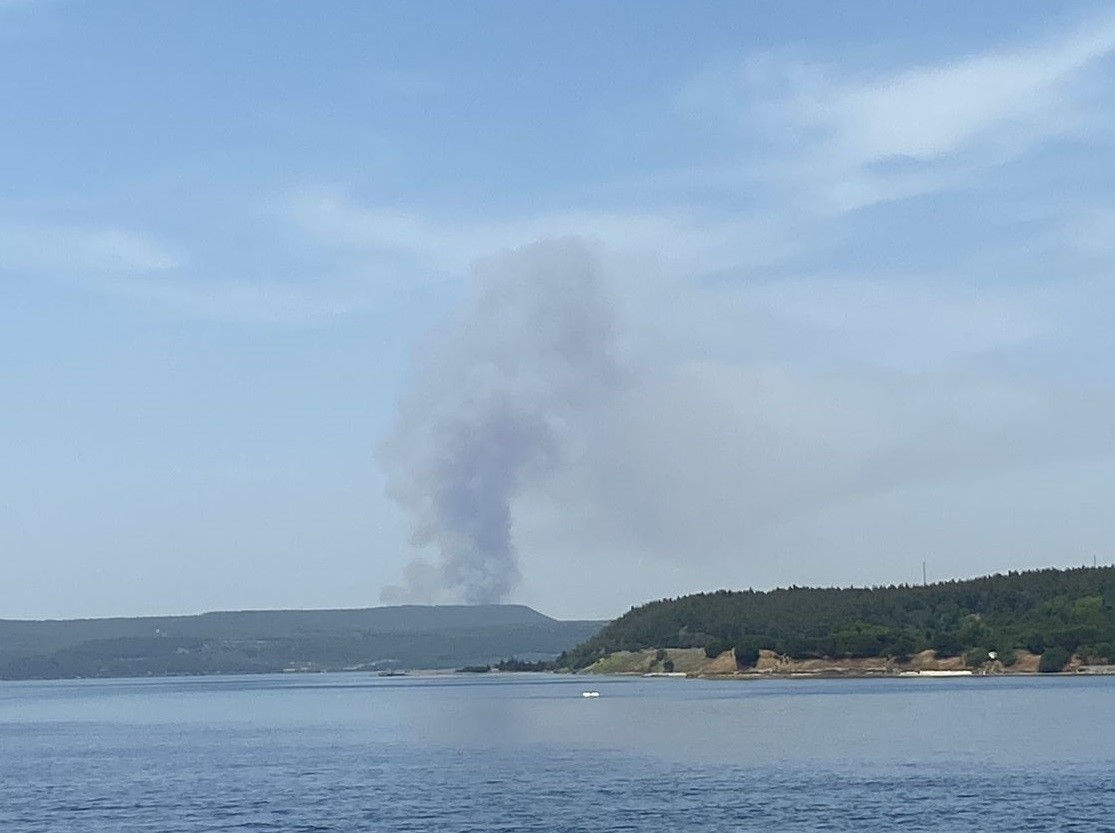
{"x":859,"y":260}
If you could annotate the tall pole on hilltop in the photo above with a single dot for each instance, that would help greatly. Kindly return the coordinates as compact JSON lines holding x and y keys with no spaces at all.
{"x":924,"y":583}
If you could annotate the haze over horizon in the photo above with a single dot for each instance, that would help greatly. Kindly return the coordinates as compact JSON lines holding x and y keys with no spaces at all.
{"x":597,"y":303}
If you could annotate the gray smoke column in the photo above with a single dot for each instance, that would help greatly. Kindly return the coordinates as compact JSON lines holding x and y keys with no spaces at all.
{"x":493,"y":406}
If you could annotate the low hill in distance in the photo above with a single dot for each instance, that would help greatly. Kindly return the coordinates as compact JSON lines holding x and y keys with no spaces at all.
{"x":245,"y":642}
{"x":1062,"y":617}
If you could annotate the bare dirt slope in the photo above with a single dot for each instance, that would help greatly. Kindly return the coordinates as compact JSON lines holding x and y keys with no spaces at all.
{"x":694,"y":663}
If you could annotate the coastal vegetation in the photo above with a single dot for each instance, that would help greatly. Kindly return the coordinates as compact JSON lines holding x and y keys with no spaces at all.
{"x":516,"y":664}
{"x":1055,"y":614}
{"x":380,"y":639}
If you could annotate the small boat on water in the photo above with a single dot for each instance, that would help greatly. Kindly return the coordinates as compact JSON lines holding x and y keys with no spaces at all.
{"x":927,"y":673}
{"x":590,"y":693}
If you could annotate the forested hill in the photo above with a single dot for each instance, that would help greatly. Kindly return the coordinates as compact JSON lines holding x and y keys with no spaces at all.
{"x":245,"y":642}
{"x":38,"y":636}
{"x":1064,"y":611}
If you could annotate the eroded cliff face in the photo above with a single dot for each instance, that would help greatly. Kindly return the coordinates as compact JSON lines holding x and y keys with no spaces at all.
{"x":694,"y":663}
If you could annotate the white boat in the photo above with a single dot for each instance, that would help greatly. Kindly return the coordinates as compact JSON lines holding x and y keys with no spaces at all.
{"x":590,"y":693}
{"x":936,"y":674}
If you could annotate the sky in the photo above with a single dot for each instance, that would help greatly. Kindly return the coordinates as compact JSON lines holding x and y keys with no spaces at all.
{"x":714,"y":295}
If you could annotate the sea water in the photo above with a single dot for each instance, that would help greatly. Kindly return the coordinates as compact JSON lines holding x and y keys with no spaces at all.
{"x":350,"y":752}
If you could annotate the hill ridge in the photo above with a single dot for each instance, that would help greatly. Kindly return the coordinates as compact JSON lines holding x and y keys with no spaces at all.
{"x":1069,"y":610}
{"x":259,"y":641}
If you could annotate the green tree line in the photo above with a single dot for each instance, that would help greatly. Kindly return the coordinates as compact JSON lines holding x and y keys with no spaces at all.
{"x":1055,"y":613}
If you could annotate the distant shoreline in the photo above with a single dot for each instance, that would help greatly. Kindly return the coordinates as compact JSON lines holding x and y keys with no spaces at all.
{"x":442,"y":673}
{"x":695,"y":663}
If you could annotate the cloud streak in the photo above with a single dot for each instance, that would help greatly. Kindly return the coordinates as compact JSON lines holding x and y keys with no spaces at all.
{"x":856,"y":141}
{"x":691,"y":240}
{"x":27,"y":248}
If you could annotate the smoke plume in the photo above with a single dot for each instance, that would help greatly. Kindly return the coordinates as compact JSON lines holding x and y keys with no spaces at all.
{"x":495,"y":403}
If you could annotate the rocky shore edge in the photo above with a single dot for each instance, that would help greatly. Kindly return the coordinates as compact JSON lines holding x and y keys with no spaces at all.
{"x":692,"y":662}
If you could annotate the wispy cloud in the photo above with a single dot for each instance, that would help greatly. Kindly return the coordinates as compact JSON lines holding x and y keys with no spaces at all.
{"x":930,"y":112}
{"x":832,"y":141}
{"x":236,"y":301}
{"x":77,"y":250}
{"x":905,"y":324}
{"x":860,"y":139}
{"x":124,"y":264}
{"x":694,"y":241}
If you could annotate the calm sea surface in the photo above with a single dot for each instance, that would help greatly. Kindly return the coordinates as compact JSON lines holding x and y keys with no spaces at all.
{"x":523,"y":753}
